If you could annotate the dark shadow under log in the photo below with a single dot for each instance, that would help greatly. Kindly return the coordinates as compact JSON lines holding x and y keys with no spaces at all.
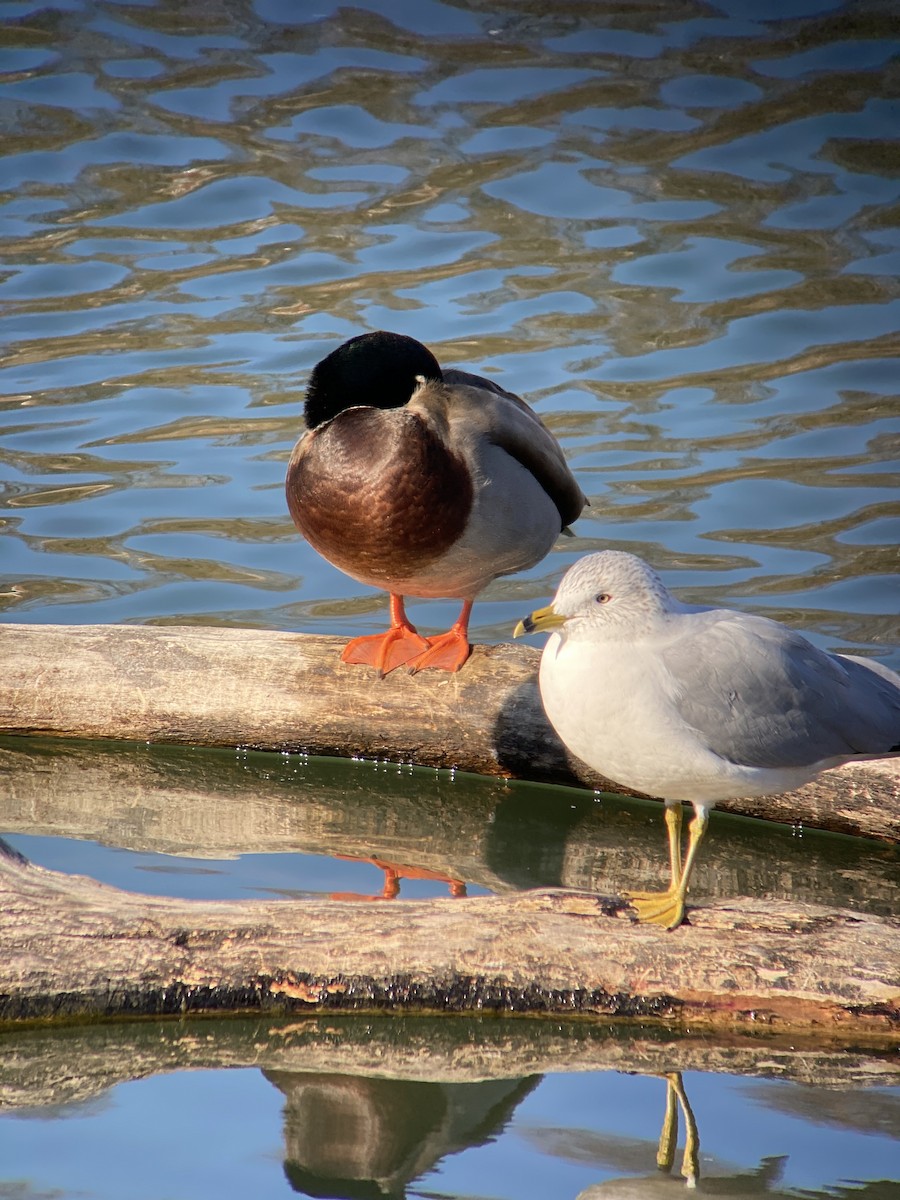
{"x":280,"y":691}
{"x":70,"y":947}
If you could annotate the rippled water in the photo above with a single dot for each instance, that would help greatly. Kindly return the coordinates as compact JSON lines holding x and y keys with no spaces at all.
{"x":672,"y":225}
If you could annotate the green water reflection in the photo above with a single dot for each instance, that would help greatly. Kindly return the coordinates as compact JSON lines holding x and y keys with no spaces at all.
{"x":450,"y":827}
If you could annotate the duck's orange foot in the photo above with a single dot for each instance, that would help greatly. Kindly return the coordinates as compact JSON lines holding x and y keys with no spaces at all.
{"x":446,"y":652}
{"x":384,"y":651}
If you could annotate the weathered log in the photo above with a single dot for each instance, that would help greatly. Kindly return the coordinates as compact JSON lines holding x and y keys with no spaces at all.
{"x":488,"y":832}
{"x":280,"y":691}
{"x":70,"y":946}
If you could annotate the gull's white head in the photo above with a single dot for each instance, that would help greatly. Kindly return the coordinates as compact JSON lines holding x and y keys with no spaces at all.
{"x":604,"y":594}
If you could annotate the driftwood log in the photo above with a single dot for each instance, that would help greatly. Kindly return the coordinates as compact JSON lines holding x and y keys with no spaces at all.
{"x":280,"y":691}
{"x":72,"y":947}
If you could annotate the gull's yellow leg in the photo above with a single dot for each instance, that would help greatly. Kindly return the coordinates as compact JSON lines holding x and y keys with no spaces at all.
{"x":649,"y":904}
{"x":667,"y":908}
{"x":674,"y":815}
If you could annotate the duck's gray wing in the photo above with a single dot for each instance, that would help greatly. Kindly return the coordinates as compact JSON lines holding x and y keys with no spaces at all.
{"x":452,"y":376}
{"x":509,"y":422}
{"x":761,"y":695}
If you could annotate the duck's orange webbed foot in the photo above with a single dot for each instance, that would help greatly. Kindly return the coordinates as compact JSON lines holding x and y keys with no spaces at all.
{"x":384,"y":651}
{"x":447,"y":651}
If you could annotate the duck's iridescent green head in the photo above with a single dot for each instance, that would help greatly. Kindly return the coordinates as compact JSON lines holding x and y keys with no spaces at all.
{"x":376,"y":369}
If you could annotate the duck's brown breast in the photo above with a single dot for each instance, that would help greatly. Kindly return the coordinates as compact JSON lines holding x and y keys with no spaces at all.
{"x":378,"y":493}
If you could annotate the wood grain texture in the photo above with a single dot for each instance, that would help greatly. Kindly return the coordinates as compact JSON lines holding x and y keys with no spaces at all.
{"x":280,"y":691}
{"x":72,"y":947}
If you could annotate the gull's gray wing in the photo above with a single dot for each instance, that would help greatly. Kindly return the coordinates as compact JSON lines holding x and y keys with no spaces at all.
{"x":761,"y":695}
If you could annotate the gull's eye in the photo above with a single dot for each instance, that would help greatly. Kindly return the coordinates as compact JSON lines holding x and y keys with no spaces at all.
{"x":602,"y":598}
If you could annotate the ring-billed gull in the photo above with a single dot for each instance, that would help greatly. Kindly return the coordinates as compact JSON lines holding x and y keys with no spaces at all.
{"x":423,"y":482}
{"x":698,"y":704}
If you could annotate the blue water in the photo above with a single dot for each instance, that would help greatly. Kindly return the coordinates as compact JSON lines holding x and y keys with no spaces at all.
{"x":671,"y":227}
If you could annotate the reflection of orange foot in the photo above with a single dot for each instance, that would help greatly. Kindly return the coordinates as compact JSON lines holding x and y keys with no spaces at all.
{"x":448,"y":651}
{"x":392,"y":876}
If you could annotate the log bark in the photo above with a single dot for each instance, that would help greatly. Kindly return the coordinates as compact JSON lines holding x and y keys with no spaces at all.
{"x":72,"y":947}
{"x":290,"y":692}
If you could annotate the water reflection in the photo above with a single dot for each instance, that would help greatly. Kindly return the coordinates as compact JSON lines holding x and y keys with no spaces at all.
{"x":394,"y":873}
{"x":413,"y":824}
{"x":375,"y":1107}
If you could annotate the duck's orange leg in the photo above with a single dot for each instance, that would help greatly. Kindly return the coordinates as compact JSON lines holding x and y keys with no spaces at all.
{"x":448,"y":651}
{"x":385,"y":651}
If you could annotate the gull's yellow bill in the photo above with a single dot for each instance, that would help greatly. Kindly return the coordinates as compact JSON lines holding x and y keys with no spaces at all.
{"x":539,"y":621}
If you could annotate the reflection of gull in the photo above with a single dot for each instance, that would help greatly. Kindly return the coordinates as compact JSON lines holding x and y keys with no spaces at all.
{"x":664,"y":1186}
{"x":423,"y":482}
{"x":872,"y":1112}
{"x":563,"y":1146}
{"x":698,"y":704}
{"x":764,"y":1182}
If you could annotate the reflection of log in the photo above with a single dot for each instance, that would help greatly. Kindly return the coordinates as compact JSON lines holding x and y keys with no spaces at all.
{"x":373,"y":1103}
{"x":79,"y":1062}
{"x":227,"y":687}
{"x":501,"y":836}
{"x":71,"y":946}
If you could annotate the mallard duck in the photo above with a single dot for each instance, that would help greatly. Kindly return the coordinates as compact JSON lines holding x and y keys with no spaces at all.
{"x":423,"y":482}
{"x":698,"y":704}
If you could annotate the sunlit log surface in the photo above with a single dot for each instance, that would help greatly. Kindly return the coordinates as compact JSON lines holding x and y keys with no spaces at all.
{"x":280,"y":691}
{"x":72,"y":947}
